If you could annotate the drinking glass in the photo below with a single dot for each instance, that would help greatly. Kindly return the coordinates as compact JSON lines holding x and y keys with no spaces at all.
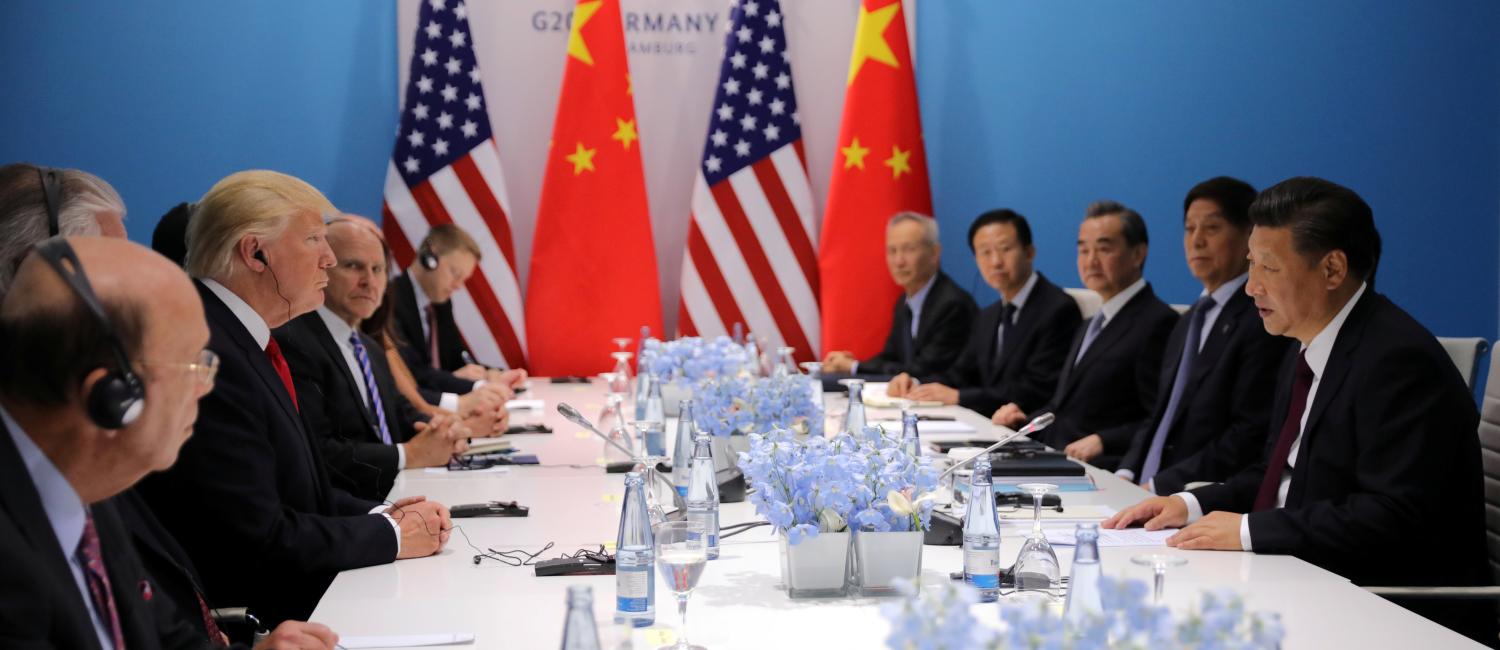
{"x":622,"y":342}
{"x":1036,"y":572}
{"x":785,"y":364}
{"x":619,"y":381}
{"x":680,"y":559}
{"x":1159,"y":563}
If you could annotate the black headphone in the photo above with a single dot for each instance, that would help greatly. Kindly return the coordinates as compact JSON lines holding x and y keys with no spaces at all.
{"x":425,"y":256}
{"x":118,"y":398}
{"x":51,"y":189}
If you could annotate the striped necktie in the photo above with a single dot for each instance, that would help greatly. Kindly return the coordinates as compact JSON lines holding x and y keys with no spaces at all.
{"x":370,"y":387}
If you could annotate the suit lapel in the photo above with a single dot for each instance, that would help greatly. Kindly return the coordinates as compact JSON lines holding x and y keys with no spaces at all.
{"x":408,"y":317}
{"x":987,"y":323}
{"x":1065,"y":378}
{"x":19,"y":499}
{"x":1224,"y":329}
{"x":1114,"y":329}
{"x":127,"y":582}
{"x":1339,"y":362}
{"x":336,"y":355}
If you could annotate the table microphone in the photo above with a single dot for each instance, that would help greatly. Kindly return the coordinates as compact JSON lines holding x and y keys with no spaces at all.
{"x":1041,"y":422}
{"x":577,"y":418}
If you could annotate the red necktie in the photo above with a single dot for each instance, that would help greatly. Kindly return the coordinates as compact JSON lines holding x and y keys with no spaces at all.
{"x":273,"y":352}
{"x":92,"y":558}
{"x":432,"y":336}
{"x":215,"y":635}
{"x":1301,"y":383}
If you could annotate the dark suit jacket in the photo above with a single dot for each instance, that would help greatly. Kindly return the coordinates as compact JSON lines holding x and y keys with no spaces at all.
{"x":1027,"y":371}
{"x":947,"y":313}
{"x":1387,"y":487}
{"x":414,"y":349}
{"x":248,"y":497}
{"x":41,"y":606}
{"x":1225,"y":404}
{"x":333,"y":406}
{"x":164,"y":559}
{"x":1111,"y":390}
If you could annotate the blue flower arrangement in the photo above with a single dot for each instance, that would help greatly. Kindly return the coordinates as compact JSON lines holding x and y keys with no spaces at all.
{"x":807,"y":485}
{"x":943,"y":619}
{"x":693,"y":359}
{"x":726,"y":404}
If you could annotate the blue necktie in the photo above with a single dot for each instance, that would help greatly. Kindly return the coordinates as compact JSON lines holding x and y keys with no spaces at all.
{"x":1179,"y":385}
{"x":1095,"y":325}
{"x":370,"y":386}
{"x":1007,"y":320}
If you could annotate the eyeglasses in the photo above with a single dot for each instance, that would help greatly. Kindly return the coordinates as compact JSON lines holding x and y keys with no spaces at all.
{"x":204,"y":369}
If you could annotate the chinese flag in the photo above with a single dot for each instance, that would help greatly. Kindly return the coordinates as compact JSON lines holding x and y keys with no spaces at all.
{"x":880,"y":169}
{"x":593,"y":266}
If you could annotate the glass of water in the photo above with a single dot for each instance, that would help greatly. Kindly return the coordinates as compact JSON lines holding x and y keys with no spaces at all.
{"x":1037,"y":575}
{"x":681,"y":555}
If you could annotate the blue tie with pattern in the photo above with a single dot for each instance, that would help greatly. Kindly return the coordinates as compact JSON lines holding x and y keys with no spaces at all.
{"x":370,"y":387}
{"x":1184,"y":372}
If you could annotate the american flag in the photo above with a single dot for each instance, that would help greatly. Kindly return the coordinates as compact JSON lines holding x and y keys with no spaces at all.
{"x":446,"y":169}
{"x":751,"y":251}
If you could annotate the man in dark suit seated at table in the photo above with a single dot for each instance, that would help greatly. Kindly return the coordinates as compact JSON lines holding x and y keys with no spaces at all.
{"x":1108,"y":381}
{"x":932,"y":317}
{"x":250,"y":498}
{"x":1372,"y":466}
{"x":366,"y":430}
{"x":105,"y":397}
{"x":427,"y":335}
{"x":1220,"y":364}
{"x":1017,"y":345}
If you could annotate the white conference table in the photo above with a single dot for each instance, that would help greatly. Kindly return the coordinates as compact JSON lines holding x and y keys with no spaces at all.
{"x":739,"y":602}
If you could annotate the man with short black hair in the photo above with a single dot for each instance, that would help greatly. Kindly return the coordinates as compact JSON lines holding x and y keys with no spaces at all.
{"x":931,"y":320}
{"x":1372,"y":451}
{"x":1220,"y":364}
{"x":1017,"y":344}
{"x":1108,"y":381}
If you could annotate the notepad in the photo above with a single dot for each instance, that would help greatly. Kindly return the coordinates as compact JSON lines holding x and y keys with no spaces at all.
{"x":874,"y":396}
{"x":526,"y":404}
{"x":486,"y":445}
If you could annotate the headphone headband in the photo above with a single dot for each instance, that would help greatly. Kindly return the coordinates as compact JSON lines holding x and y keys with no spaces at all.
{"x":51,"y":191}
{"x":118,"y":400}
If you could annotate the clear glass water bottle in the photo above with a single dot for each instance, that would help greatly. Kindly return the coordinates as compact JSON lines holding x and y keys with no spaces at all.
{"x":739,"y":333}
{"x":656,"y":409}
{"x":982,"y":534}
{"x":682,"y":449}
{"x":854,"y":418}
{"x":911,"y":443}
{"x":703,"y":494}
{"x":643,"y":383}
{"x":579,"y":632}
{"x":1083,"y":587}
{"x":752,"y":356}
{"x":635,"y":555}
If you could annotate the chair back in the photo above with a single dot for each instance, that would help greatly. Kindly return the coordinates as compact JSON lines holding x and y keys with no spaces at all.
{"x":1489,"y":453}
{"x":1465,"y":353}
{"x":1088,"y":302}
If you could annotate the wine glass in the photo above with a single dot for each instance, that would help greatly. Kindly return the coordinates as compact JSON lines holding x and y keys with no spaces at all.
{"x":680,"y":559}
{"x":785,"y":363}
{"x":619,"y":381}
{"x":621,"y":342}
{"x":1159,"y":563}
{"x":1036,"y":572}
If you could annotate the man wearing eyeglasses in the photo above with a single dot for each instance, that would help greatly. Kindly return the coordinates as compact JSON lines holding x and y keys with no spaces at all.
{"x":72,"y":576}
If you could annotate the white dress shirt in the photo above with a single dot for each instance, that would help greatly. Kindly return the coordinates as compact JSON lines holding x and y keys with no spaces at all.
{"x":1316,"y":354}
{"x":341,"y":331}
{"x":1115,"y":304}
{"x":261,"y":332}
{"x":65,"y":512}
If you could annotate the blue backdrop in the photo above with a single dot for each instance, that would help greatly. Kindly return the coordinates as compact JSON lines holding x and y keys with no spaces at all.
{"x":1038,"y":106}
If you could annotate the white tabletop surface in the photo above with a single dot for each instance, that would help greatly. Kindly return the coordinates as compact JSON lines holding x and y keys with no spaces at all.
{"x":739,"y":603}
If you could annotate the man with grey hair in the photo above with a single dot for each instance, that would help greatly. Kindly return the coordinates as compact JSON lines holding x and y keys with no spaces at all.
{"x":931,"y":320}
{"x":83,"y":202}
{"x":1107,"y":388}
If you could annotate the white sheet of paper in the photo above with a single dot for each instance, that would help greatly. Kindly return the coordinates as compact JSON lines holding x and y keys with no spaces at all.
{"x":929,"y":426}
{"x":526,"y":404}
{"x":1111,"y":537}
{"x":406,"y":640}
{"x":874,"y":396}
